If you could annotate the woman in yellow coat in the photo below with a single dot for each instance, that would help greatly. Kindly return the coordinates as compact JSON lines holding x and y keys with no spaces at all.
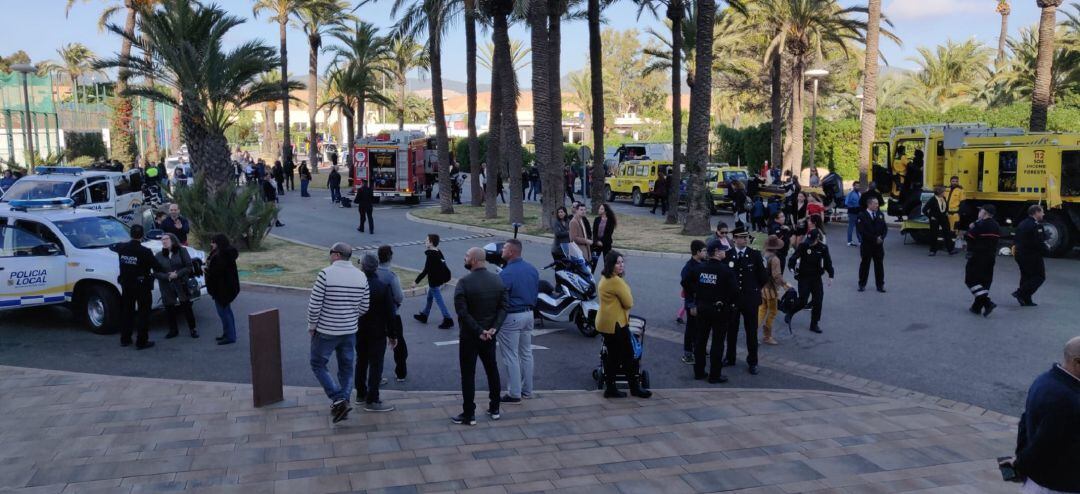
{"x":612,"y":322}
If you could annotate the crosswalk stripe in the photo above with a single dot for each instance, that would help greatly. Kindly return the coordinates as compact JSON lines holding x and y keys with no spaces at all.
{"x":421,"y":242}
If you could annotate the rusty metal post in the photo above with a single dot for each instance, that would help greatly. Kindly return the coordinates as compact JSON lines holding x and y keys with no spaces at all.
{"x":266,"y":380}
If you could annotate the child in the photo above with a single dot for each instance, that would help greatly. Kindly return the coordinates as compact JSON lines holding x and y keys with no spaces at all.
{"x":757,"y":214}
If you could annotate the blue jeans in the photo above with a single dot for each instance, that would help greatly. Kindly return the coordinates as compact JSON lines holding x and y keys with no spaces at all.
{"x":228,"y":322}
{"x":322,"y":346}
{"x":851,"y":226}
{"x":515,"y":347}
{"x":435,"y":292}
{"x":335,"y":193}
{"x":303,"y":188}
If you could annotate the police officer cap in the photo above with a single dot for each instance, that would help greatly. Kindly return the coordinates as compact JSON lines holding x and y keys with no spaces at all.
{"x":989,"y":208}
{"x":713,"y":246}
{"x":740,"y":231}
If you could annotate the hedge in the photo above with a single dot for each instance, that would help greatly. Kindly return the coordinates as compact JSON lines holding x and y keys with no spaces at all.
{"x":84,"y":144}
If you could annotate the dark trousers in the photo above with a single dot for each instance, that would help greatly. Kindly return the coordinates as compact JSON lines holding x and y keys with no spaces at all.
{"x":1032,"y":275}
{"x":872,"y":251}
{"x":401,"y":352}
{"x":173,"y":311}
{"x":289,"y":182}
{"x":620,"y":356}
{"x":690,"y":335}
{"x":280,"y":186}
{"x":748,"y":316}
{"x":136,"y":300}
{"x":469,"y":349}
{"x":940,"y":229}
{"x":366,"y":214}
{"x":782,"y":256}
{"x":978,"y":276}
{"x":661,"y":200}
{"x":810,"y":287}
{"x":335,"y":194}
{"x":715,"y":323}
{"x":370,"y":351}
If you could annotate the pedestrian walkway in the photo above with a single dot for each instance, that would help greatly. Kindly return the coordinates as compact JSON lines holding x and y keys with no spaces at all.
{"x":67,"y":432}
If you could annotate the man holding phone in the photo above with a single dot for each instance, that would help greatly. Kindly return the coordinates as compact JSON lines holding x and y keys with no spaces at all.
{"x":1048,"y":439}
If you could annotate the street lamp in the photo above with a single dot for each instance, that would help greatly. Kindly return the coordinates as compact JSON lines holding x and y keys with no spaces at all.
{"x":26,"y":69}
{"x":814,"y":75}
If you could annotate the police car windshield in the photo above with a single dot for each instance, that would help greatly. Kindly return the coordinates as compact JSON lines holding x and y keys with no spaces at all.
{"x":36,"y":189}
{"x":93,"y":232}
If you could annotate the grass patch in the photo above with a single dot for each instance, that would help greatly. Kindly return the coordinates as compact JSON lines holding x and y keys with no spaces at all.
{"x":648,"y":233}
{"x":280,"y":262}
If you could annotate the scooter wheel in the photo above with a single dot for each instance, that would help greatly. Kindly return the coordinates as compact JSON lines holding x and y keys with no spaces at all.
{"x":584,"y":325}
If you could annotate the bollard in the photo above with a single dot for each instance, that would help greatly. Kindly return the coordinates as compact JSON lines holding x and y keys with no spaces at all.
{"x":266,"y":380}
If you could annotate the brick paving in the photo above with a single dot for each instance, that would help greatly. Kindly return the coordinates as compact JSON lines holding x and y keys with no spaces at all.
{"x":66,"y":433}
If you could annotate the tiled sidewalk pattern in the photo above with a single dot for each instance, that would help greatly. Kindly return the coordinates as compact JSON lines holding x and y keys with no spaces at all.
{"x":67,"y":433}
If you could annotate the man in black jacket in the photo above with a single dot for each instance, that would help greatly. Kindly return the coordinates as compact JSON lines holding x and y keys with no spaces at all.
{"x":290,"y":172}
{"x":982,"y":245}
{"x":480,"y":301}
{"x":872,"y":230}
{"x":810,"y":262}
{"x":333,"y":182}
{"x":271,"y":197}
{"x":750,"y":275}
{"x":1030,"y":242}
{"x":365,"y":204}
{"x":711,"y":291}
{"x":373,"y":334}
{"x":1048,"y":439}
{"x":279,"y":177}
{"x":937,"y":211}
{"x":136,"y":280}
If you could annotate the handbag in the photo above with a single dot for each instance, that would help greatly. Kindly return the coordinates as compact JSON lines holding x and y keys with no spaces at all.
{"x":192,"y":287}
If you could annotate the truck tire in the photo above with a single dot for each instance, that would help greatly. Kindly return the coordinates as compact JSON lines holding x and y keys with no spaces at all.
{"x":1059,"y":234}
{"x":98,"y":306}
{"x":609,"y":194}
{"x":412,"y":200}
{"x":637,"y":198}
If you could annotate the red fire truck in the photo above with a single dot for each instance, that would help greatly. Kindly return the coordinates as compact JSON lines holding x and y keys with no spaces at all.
{"x":393,"y":164}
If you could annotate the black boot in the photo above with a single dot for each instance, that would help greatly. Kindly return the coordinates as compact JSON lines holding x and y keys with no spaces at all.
{"x":636,"y":389}
{"x":610,"y":391}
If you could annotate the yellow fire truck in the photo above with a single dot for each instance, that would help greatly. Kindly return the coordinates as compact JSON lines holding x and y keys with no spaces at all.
{"x":1007,"y":167}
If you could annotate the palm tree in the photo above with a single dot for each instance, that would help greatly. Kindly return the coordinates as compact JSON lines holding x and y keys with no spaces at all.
{"x":269,"y":113}
{"x":121,"y":132}
{"x":496,"y":12}
{"x":949,"y":75}
{"x":697,"y":143}
{"x":281,"y":11}
{"x":596,"y":98}
{"x":405,"y":54}
{"x":518,"y":55}
{"x":544,"y":17}
{"x":1004,"y":9}
{"x":367,"y":55}
{"x":510,"y":138}
{"x":869,"y":102}
{"x":316,"y":19}
{"x":342,"y":84}
{"x":76,"y":60}
{"x":470,"y":97}
{"x":214,"y":86}
{"x":1019,"y":76}
{"x":1041,"y":96}
{"x":435,"y":17}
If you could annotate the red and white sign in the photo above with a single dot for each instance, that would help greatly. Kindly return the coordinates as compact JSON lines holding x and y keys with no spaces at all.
{"x":361,"y":156}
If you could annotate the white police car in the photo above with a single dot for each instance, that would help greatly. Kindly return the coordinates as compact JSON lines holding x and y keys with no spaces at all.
{"x":115,"y":193}
{"x":52,"y":253}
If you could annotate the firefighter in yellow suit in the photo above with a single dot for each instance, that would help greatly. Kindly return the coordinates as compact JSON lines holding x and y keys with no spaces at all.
{"x":953,"y":197}
{"x":900,"y":164}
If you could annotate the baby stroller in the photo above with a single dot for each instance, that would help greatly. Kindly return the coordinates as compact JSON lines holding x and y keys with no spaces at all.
{"x":637,"y":338}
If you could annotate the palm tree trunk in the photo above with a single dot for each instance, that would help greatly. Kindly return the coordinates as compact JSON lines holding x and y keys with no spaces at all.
{"x":470,"y":97}
{"x":121,"y":134}
{"x":776,"y":107}
{"x":596,"y":86}
{"x":510,"y":142}
{"x":552,"y":188}
{"x":152,"y":144}
{"x":286,"y":144}
{"x":401,"y":102}
{"x":697,"y":144}
{"x":869,"y":101}
{"x":350,"y":142}
{"x":495,"y":127}
{"x":1044,"y":65}
{"x":446,"y":200}
{"x":209,"y":151}
{"x":313,"y":95}
{"x":794,"y":154}
{"x":675,"y":12}
{"x":554,"y":85}
{"x":1002,"y":37}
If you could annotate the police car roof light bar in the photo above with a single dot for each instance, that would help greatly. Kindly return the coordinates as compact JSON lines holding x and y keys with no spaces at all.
{"x":55,"y":203}
{"x":67,"y":170}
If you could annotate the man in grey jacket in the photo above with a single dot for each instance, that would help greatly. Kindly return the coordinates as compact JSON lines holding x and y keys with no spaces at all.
{"x":480,"y":302}
{"x":387,"y":275}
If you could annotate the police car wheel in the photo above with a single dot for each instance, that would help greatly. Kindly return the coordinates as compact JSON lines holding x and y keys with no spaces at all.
{"x":99,"y":308}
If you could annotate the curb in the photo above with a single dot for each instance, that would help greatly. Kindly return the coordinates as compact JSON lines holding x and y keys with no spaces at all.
{"x":534,"y":238}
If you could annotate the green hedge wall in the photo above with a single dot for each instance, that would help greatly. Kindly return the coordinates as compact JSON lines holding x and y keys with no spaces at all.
{"x":84,"y":144}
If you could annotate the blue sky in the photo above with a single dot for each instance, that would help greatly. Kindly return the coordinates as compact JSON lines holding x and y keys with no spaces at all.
{"x":39,"y":27}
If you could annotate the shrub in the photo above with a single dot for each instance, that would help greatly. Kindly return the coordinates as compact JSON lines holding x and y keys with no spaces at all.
{"x":461,"y":152}
{"x":84,"y":144}
{"x":81,"y":161}
{"x":241,"y":215}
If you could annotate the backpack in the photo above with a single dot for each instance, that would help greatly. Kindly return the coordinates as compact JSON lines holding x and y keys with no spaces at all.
{"x":788,"y":300}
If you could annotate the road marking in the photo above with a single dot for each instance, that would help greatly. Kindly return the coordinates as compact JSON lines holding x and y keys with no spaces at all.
{"x":422,"y":242}
{"x":542,"y":332}
{"x":446,"y":343}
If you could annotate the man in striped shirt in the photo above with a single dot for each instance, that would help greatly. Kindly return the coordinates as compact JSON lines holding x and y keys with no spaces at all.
{"x":338,"y":299}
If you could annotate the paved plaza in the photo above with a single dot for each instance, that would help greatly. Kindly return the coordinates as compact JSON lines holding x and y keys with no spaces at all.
{"x":66,"y":432}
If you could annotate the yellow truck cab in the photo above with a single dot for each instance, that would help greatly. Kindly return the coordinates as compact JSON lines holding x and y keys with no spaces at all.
{"x":718,"y":175}
{"x":1007,"y":167}
{"x":634,"y":178}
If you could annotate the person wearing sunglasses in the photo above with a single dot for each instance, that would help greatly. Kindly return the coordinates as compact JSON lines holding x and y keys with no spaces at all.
{"x":722,"y":235}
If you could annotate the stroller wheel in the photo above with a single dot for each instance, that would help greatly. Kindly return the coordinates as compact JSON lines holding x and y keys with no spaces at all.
{"x":645,"y":379}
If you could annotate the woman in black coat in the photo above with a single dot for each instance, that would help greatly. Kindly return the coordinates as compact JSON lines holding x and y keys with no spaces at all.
{"x":603,"y":228}
{"x":175,"y":270}
{"x":223,"y":284}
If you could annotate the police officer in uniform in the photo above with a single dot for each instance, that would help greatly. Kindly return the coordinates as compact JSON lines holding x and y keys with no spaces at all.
{"x":810,"y":262}
{"x":982,"y":242}
{"x":710,"y":294}
{"x":1030,"y":248}
{"x":136,"y":284}
{"x":750,"y":275}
